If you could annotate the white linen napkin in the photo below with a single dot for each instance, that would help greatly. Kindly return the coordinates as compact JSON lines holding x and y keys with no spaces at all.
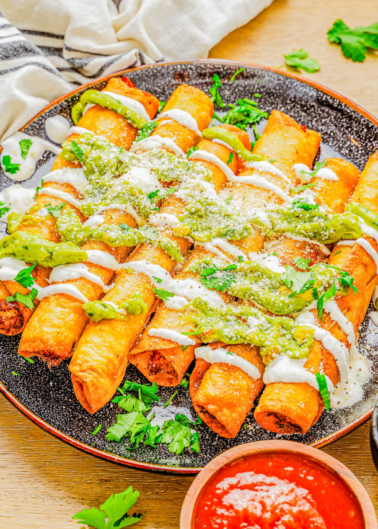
{"x":48,"y":47}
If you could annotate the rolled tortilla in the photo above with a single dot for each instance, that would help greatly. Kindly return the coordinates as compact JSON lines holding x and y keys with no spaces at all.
{"x":223,"y":394}
{"x":278,"y":411}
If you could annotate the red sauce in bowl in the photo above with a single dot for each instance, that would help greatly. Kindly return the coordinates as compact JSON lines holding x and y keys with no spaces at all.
{"x":277,"y":490}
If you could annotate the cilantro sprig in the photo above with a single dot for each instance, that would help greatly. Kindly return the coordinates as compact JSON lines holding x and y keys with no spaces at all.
{"x":300,"y":60}
{"x":27,"y":300}
{"x":215,"y":96}
{"x":9,"y":166}
{"x":114,"y":510}
{"x":3,"y":209}
{"x":301,"y":263}
{"x":163,"y":294}
{"x":24,"y":277}
{"x":191,"y":150}
{"x":323,"y":390}
{"x":354,"y":42}
{"x":55,"y":211}
{"x":318,"y":166}
{"x":145,"y":131}
{"x":217,"y":279}
{"x":25,"y":145}
{"x":244,"y":114}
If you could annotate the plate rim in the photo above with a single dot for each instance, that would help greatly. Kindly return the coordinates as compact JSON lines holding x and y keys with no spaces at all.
{"x":52,"y":430}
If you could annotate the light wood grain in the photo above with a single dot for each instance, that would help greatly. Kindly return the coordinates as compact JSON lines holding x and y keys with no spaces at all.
{"x":43,"y":482}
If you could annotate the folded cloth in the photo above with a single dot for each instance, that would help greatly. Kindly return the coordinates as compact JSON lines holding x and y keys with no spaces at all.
{"x":48,"y":47}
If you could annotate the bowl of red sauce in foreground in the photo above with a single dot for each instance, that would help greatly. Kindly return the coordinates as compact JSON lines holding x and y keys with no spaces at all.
{"x":276,"y":485}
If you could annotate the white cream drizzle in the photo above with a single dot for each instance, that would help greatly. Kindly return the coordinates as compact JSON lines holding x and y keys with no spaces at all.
{"x":334,"y":346}
{"x":324,"y":173}
{"x":174,"y":336}
{"x":215,"y":140}
{"x":267,"y":167}
{"x":333,"y":310}
{"x":221,"y":355}
{"x":260,"y":181}
{"x":212,"y":158}
{"x":79,"y":130}
{"x":157,"y":142}
{"x":68,"y":175}
{"x":87,"y":107}
{"x":375,"y":296}
{"x":94,"y":220}
{"x":183,"y":118}
{"x":104,"y":259}
{"x":131,"y":104}
{"x":365,"y":245}
{"x":290,"y":370}
{"x":143,"y":178}
{"x":57,"y":193}
{"x":63,"y":273}
{"x":270,"y":261}
{"x":10,"y":267}
{"x":17,"y":198}
{"x":11,"y":147}
{"x":57,"y":128}
{"x":224,"y":245}
{"x":163,"y":220}
{"x":369,"y":230}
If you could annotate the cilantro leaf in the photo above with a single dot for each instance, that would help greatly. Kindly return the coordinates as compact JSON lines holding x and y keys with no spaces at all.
{"x":24,"y":277}
{"x":354,"y":42}
{"x":130,"y":423}
{"x":300,"y":59}
{"x":153,"y":437}
{"x":236,"y":73}
{"x":230,"y":158}
{"x":215,"y":96}
{"x":77,"y":151}
{"x":25,"y":145}
{"x":191,"y":150}
{"x":25,"y":300}
{"x":195,"y":446}
{"x":184,"y":382}
{"x":301,"y":263}
{"x":299,"y":189}
{"x":221,"y":281}
{"x":323,"y":389}
{"x":145,"y":131}
{"x":3,"y":209}
{"x":10,"y":167}
{"x":177,"y":436}
{"x":245,"y":113}
{"x":318,"y":166}
{"x":38,"y":188}
{"x":161,"y":105}
{"x":228,"y":200}
{"x":56,"y":211}
{"x":124,"y":227}
{"x":167,"y":192}
{"x":163,"y":294}
{"x":153,"y":195}
{"x":115,"y":509}
{"x":300,"y":203}
{"x":157,"y":279}
{"x":149,"y":393}
{"x":330,"y":293}
{"x":130,"y":403}
{"x":295,"y":280}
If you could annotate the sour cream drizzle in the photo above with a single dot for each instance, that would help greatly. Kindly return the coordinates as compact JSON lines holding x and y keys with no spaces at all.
{"x":104,"y":259}
{"x":290,"y":370}
{"x":324,"y":173}
{"x":18,"y":198}
{"x":75,"y":271}
{"x":157,"y":142}
{"x":221,"y":355}
{"x":334,"y":346}
{"x":132,"y":104}
{"x":11,"y":147}
{"x":224,"y":245}
{"x":57,"y":193}
{"x":174,"y":336}
{"x":183,"y":118}
{"x":68,"y":175}
{"x":267,"y":167}
{"x":333,"y":310}
{"x":163,"y":220}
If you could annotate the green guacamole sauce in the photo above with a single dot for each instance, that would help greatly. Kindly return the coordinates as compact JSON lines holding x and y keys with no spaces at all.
{"x":101,"y":310}
{"x":274,"y":335}
{"x":30,"y":248}
{"x":105,"y":100}
{"x":218,"y":133}
{"x":255,"y":282}
{"x":70,"y":228}
{"x":204,"y":219}
{"x":314,"y":224}
{"x":366,"y":214}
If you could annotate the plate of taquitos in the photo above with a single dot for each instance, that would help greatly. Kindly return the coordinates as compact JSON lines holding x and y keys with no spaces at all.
{"x":194,"y":275}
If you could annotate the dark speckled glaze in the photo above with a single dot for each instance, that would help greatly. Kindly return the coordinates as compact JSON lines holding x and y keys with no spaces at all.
{"x":46,"y":396}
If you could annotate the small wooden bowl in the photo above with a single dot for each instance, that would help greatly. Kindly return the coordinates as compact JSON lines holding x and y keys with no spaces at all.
{"x":189,"y":508}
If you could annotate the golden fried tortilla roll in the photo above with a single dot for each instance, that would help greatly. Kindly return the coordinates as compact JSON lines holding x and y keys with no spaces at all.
{"x":278,"y":411}
{"x":223,"y":394}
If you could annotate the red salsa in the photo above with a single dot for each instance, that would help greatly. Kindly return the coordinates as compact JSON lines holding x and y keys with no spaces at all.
{"x":277,"y":490}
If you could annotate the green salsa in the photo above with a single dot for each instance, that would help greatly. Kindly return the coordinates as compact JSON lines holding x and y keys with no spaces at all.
{"x":218,"y":133}
{"x":102,"y":310}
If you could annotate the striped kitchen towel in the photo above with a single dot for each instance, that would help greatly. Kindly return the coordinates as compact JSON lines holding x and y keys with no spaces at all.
{"x":48,"y":47}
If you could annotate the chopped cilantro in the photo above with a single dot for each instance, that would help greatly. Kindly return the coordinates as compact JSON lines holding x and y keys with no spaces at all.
{"x":157,"y":279}
{"x":3,"y":209}
{"x":115,"y":509}
{"x":300,"y":59}
{"x":97,"y":429}
{"x":145,"y":131}
{"x":24,"y":277}
{"x":245,"y":113}
{"x":354,"y":42}
{"x":240,"y":258}
{"x":236,"y":73}
{"x":221,"y":281}
{"x":300,"y":203}
{"x":124,"y":227}
{"x":323,"y":389}
{"x":163,"y":294}
{"x":153,"y":195}
{"x":56,"y":211}
{"x":167,"y":192}
{"x":195,"y":446}
{"x":10,"y":167}
{"x":184,"y":382}
{"x":295,"y":280}
{"x":328,"y":294}
{"x":230,"y":158}
{"x":25,"y":145}
{"x":183,"y":347}
{"x":148,"y":393}
{"x":15,"y":374}
{"x":301,"y":263}
{"x":130,"y":403}
{"x":228,"y":200}
{"x":318,"y":166}
{"x":77,"y":151}
{"x":170,"y":399}
{"x":299,"y":189}
{"x":161,"y":105}
{"x":229,"y":353}
{"x":38,"y":189}
{"x":28,"y":359}
{"x":191,"y":150}
{"x":214,"y":93}
{"x":25,"y":300}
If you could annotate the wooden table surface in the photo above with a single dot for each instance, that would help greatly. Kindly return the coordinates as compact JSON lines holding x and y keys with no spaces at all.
{"x":43,"y":482}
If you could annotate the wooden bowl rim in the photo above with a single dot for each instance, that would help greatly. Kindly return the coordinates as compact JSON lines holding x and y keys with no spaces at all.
{"x":239,"y":452}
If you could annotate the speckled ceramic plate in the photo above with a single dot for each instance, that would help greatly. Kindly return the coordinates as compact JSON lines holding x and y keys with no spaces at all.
{"x":46,"y":396}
